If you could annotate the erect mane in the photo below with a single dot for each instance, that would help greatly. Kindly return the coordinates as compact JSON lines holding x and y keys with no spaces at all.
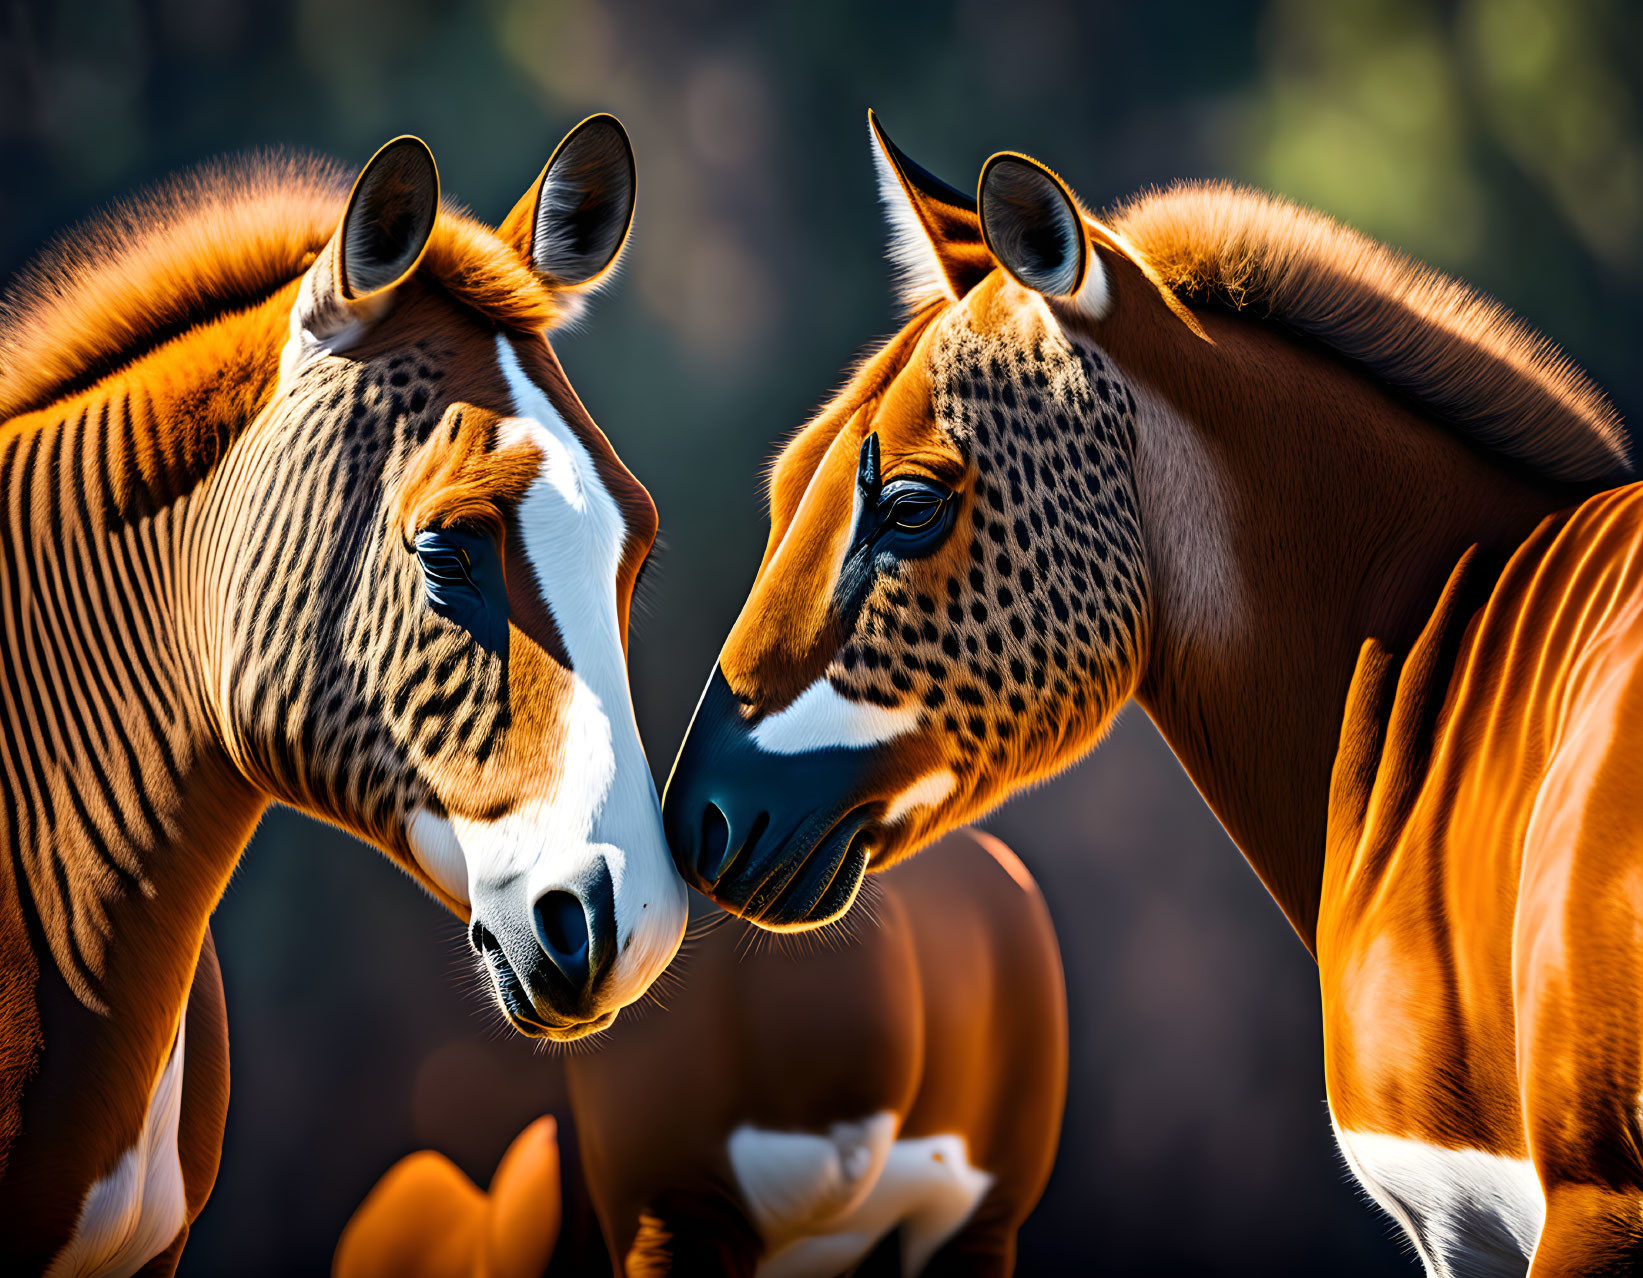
{"x":1461,"y":354}
{"x":219,"y":239}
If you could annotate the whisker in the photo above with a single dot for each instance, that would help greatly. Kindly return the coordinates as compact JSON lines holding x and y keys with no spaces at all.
{"x":708,"y":924}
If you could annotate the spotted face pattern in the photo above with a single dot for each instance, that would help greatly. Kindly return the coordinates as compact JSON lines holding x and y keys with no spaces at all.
{"x":1021,"y":637}
{"x":954,"y":598}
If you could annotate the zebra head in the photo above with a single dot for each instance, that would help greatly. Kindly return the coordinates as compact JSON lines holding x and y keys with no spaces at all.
{"x":423,"y":560}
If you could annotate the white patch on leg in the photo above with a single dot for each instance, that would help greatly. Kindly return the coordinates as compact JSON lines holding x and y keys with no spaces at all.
{"x":822,"y":1203}
{"x":794,"y":1182}
{"x":1469,"y":1214}
{"x":132,"y":1214}
{"x":929,"y":790}
{"x":940,"y":1190}
{"x":821,"y":719}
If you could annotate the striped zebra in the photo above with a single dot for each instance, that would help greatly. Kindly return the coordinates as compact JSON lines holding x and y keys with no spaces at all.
{"x":300,"y":510}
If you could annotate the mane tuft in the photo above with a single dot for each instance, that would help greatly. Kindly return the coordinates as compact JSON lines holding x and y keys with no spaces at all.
{"x":1458,"y":352}
{"x":219,"y":239}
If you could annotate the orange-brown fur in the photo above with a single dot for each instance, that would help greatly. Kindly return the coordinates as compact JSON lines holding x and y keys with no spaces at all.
{"x":1312,"y":433}
{"x":1462,"y":354}
{"x":219,"y":609}
{"x":204,"y":249}
{"x":425,"y":1219}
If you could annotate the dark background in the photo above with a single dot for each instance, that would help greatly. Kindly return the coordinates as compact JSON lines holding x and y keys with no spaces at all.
{"x":1499,"y":139}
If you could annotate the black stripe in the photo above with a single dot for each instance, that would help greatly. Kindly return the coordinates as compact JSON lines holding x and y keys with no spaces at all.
{"x":66,"y":899}
{"x":32,"y":770}
{"x":49,"y":729}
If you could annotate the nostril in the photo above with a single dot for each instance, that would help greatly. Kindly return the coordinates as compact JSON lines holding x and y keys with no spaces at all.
{"x":710,"y":861}
{"x":480,"y":938}
{"x":761,"y":823}
{"x":562,"y":927}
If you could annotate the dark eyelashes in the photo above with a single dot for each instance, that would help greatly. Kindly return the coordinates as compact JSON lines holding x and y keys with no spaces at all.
{"x":463,"y":580}
{"x":446,"y":567}
{"x":913,"y":513}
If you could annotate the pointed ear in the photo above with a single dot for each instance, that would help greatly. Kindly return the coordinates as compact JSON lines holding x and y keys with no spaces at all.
{"x":383,"y":234}
{"x":1034,"y":228}
{"x":572,"y":223}
{"x":389,"y":217}
{"x":935,"y":235}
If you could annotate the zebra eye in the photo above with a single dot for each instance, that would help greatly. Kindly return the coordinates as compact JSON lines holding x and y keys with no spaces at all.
{"x":916,"y":515}
{"x":462,"y":579}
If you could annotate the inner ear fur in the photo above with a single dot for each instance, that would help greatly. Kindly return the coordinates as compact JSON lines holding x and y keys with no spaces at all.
{"x":574,"y":221}
{"x":388,"y":219}
{"x":1032,"y":225}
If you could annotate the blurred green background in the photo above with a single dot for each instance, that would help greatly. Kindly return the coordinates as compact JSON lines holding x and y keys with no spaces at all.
{"x":1499,"y":139}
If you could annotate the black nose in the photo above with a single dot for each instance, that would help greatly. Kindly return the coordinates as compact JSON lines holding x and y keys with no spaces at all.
{"x":743,"y":822}
{"x":576,"y":928}
{"x":562,"y":927}
{"x":722,"y":843}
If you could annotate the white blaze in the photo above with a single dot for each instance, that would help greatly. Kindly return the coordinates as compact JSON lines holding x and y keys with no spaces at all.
{"x":821,"y":719}
{"x":604,"y":806}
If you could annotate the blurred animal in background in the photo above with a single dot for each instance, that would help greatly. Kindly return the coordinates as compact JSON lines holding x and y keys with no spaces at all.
{"x":1340,"y":525}
{"x":425,"y":1219}
{"x":300,"y":508}
{"x":890,"y":1096}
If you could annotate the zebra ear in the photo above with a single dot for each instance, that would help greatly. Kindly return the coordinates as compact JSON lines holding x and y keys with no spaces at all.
{"x":572,"y":224}
{"x":1033,"y":227}
{"x":377,"y":246}
{"x":935,"y":235}
{"x":389,"y":217}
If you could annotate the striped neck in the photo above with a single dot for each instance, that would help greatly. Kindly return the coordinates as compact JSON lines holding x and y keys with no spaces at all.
{"x":125,"y":816}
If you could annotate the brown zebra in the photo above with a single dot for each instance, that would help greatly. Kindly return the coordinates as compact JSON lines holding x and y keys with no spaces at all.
{"x":300,"y":507}
{"x":1364,"y":547}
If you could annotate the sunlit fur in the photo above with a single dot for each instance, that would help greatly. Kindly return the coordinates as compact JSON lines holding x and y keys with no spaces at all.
{"x":205,"y":252}
{"x":1305,"y":464}
{"x":214,"y":461}
{"x":1432,"y":337}
{"x":426,"y":1218}
{"x":1028,"y":629}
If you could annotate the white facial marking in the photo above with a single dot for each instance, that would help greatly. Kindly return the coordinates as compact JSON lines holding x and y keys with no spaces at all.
{"x":919,"y":277}
{"x":1468,"y":1213}
{"x":438,"y":851}
{"x":1186,"y":520}
{"x":821,"y":719}
{"x":604,"y":806}
{"x":822,"y":1202}
{"x":929,"y":790}
{"x":132,"y":1214}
